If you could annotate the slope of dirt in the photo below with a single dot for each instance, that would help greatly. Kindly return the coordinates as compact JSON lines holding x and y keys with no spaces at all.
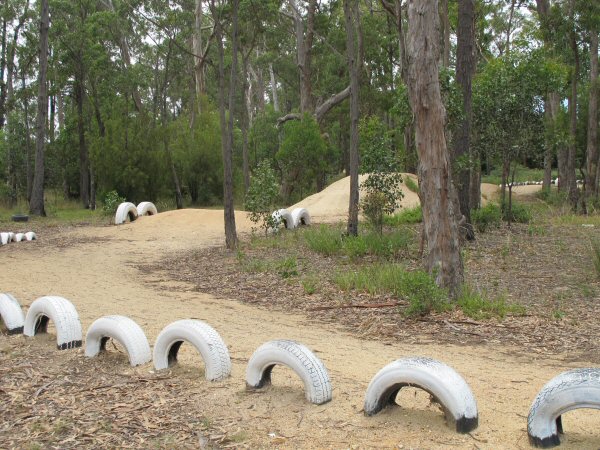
{"x":64,"y":400}
{"x":331,"y":204}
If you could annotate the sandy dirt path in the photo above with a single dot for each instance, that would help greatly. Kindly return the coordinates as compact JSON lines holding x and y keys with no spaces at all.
{"x":95,"y":268}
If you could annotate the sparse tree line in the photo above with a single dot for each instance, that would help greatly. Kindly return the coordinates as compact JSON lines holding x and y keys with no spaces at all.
{"x":184,"y":99}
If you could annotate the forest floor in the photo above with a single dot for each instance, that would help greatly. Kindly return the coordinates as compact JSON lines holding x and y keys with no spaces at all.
{"x":170,"y":266}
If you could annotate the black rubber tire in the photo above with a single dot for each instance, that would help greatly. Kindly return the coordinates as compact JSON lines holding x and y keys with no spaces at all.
{"x":20,"y":218}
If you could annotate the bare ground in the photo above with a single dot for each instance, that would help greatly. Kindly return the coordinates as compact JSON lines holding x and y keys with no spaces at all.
{"x":52,"y":399}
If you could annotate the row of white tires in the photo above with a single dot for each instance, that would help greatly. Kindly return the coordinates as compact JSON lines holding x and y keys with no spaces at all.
{"x":7,"y":238}
{"x":575,"y":389}
{"x":127,"y":211}
{"x":290,"y":220}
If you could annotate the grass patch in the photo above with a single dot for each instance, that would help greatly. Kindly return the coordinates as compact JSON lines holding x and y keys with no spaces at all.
{"x":330,"y":241}
{"x":411,"y":184}
{"x":519,"y":213}
{"x":310,"y":284}
{"x":405,"y":217}
{"x":287,"y":267}
{"x":596,"y":255}
{"x":417,"y":287}
{"x":475,"y":305}
{"x":324,"y":239}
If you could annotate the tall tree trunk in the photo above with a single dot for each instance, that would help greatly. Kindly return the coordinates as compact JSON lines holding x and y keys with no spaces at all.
{"x":36,"y":204}
{"x":571,"y":176}
{"x":445,"y":23}
{"x":3,"y":52}
{"x":438,"y":197}
{"x":245,"y":122}
{"x":197,"y":50}
{"x":304,"y":42}
{"x":84,"y":162}
{"x":28,"y":171}
{"x":350,"y":15}
{"x":226,"y":130}
{"x":166,"y":143}
{"x":465,"y":67}
{"x":273,"y":89}
{"x":592,"y":136}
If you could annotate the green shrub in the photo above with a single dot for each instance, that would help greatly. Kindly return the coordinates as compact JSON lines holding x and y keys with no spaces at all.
{"x":519,"y":213}
{"x":417,"y":287}
{"x":475,"y":305}
{"x":406,"y":216}
{"x":261,"y":196}
{"x":111,"y":202}
{"x":384,"y":246}
{"x":382,"y":195}
{"x":489,"y":216}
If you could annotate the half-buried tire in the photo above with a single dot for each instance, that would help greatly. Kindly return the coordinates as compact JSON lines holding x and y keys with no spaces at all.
{"x":19,"y":237}
{"x":300,"y":217}
{"x":122,"y":329}
{"x":125,"y":211}
{"x":283,"y":216}
{"x":579,"y":388}
{"x":146,"y":209}
{"x":4,"y":238}
{"x":30,"y":236}
{"x":12,"y":314}
{"x":445,"y":385}
{"x":203,"y":337}
{"x":297,"y":357}
{"x":64,"y":316}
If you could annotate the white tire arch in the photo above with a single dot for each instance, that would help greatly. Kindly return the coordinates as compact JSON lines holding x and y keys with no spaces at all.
{"x":64,"y":316}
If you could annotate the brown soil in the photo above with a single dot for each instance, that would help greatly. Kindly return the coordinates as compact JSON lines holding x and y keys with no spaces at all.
{"x":62,"y":399}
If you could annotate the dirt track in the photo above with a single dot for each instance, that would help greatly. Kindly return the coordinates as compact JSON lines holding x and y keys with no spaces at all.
{"x":95,"y":268}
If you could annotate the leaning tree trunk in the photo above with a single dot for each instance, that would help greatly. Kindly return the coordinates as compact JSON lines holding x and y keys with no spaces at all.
{"x":592,"y":137}
{"x":465,"y":65}
{"x":36,"y":204}
{"x":438,"y":197}
{"x":354,"y":115}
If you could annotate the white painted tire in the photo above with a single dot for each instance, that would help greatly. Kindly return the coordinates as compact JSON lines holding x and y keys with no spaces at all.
{"x":300,"y":217}
{"x":283,"y":216}
{"x":12,"y":314}
{"x":19,"y":237}
{"x":64,"y":316}
{"x":446,"y":386}
{"x":579,"y":388}
{"x":11,"y":237}
{"x":297,"y":357}
{"x":30,"y":236}
{"x":122,"y":329}
{"x":146,"y":209}
{"x":126,"y":210}
{"x":203,"y":337}
{"x":4,"y":238}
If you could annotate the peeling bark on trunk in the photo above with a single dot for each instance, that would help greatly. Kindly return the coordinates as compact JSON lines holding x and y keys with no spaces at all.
{"x":245,"y":122}
{"x":36,"y":204}
{"x":274,"y":97}
{"x":445,"y":23}
{"x":592,"y":136}
{"x":350,"y":15}
{"x":438,"y":197}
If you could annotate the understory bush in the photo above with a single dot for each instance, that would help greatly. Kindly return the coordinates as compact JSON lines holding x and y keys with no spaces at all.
{"x":489,"y":216}
{"x":406,"y":216}
{"x":111,"y":202}
{"x":519,"y":213}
